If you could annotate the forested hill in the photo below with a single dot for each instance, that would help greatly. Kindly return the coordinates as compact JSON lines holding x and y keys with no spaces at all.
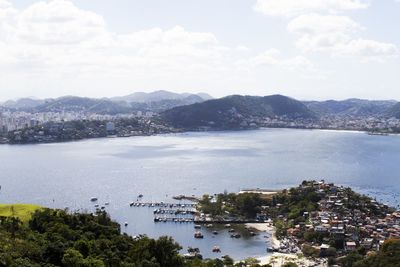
{"x":394,"y":111}
{"x":351,"y":107}
{"x":56,"y":238}
{"x":232,"y":111}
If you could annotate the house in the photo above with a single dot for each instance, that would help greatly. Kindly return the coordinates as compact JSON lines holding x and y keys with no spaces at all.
{"x":351,"y":245}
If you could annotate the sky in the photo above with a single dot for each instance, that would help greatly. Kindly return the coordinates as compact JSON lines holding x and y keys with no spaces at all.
{"x":306,"y":49}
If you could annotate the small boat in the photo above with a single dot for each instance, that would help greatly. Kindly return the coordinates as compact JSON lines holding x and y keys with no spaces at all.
{"x":131,"y":204}
{"x":107,"y":203}
{"x":215,"y":232}
{"x":93,"y":199}
{"x":197,"y":226}
{"x":231,"y":230}
{"x":253,"y":234}
{"x":126,"y":224}
{"x":227,"y":225}
{"x":216,"y":249}
{"x":140,"y":196}
{"x":198,"y":235}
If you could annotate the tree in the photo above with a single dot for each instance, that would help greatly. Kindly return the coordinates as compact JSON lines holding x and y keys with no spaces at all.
{"x":72,"y":258}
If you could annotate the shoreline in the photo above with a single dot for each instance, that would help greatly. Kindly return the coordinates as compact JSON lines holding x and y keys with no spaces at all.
{"x":200,"y":131}
{"x":277,"y":259}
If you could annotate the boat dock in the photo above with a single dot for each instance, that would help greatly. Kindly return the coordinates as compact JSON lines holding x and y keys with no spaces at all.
{"x":162,"y":205}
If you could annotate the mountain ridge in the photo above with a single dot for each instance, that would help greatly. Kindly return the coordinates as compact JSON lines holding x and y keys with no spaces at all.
{"x":233,"y":111}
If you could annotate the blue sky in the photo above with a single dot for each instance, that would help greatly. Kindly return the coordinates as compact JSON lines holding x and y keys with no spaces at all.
{"x":307,"y":49}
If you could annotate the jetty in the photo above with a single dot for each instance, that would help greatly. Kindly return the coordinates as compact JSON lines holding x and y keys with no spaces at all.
{"x":162,"y":205}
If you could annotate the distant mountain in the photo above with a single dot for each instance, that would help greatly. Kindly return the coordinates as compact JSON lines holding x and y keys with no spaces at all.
{"x":106,"y":106}
{"x":82,"y":104}
{"x":23,"y":103}
{"x":141,"y":97}
{"x":232,"y":111}
{"x":394,"y":111}
{"x":350,"y":107}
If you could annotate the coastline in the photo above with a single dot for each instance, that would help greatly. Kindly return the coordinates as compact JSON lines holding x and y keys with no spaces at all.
{"x":278,"y":259}
{"x":180,"y":131}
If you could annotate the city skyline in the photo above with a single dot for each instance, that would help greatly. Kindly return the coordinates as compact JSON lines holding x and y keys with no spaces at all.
{"x":333,"y":49}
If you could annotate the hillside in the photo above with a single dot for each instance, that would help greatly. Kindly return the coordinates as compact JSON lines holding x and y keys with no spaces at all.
{"x":394,"y":111}
{"x":231,"y":111}
{"x":105,"y":106}
{"x":155,"y":102}
{"x":21,"y":211}
{"x":78,"y":104}
{"x":58,"y":238}
{"x":23,"y":103}
{"x":350,"y":107}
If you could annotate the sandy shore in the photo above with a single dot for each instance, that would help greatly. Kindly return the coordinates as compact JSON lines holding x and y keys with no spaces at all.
{"x":278,"y":259}
{"x":265,"y":227}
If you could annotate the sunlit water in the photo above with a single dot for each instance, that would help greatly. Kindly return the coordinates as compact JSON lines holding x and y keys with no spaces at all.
{"x":117,"y":170}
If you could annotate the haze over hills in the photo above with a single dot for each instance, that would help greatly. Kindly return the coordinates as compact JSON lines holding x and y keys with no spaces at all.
{"x":155,"y":102}
{"x":231,"y":111}
{"x":160,"y":95}
{"x":394,"y":111}
{"x":351,"y":107}
{"x":23,"y":103}
{"x":160,"y":101}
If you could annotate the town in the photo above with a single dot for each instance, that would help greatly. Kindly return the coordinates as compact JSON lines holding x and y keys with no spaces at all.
{"x":47,"y":127}
{"x":319,"y":219}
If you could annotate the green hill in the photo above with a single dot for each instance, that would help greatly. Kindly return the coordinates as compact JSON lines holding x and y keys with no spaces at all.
{"x":231,"y":111}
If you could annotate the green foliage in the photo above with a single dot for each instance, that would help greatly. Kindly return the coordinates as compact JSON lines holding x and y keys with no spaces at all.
{"x":310,"y":251}
{"x":388,"y":256}
{"x":242,"y":205}
{"x":57,"y":238}
{"x":20,"y":211}
{"x":229,"y":112}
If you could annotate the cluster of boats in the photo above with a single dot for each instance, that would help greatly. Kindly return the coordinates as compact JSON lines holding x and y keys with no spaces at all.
{"x":161,"y":205}
{"x":231,"y":231}
{"x":175,"y":211}
{"x":97,"y":206}
{"x":175,"y":220}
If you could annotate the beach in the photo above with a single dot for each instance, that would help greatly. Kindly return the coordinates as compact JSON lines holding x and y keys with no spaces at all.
{"x":277,"y":259}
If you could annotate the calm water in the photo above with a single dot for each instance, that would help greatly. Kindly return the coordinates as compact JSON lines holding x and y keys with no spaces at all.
{"x":117,"y":170}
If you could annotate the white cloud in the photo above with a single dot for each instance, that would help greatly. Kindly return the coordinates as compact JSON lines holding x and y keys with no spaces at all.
{"x":56,"y":39}
{"x":58,"y":36}
{"x":58,"y":22}
{"x":291,"y":8}
{"x":368,"y":49}
{"x":273,"y":57}
{"x":320,"y":24}
{"x":334,"y":34}
{"x":319,"y":30}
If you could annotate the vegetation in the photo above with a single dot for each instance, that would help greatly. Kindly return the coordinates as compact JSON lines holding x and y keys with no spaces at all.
{"x":388,"y":256}
{"x":56,"y":238}
{"x":245,"y":206}
{"x":21,"y":211}
{"x":231,"y":111}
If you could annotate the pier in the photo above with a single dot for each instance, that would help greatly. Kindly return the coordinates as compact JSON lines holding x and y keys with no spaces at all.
{"x":162,"y":205}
